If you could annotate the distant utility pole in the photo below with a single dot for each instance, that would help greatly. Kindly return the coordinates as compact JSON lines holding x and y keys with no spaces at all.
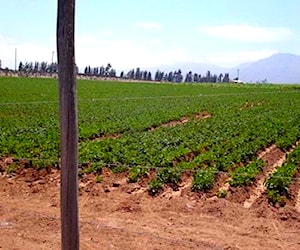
{"x":52,"y":58}
{"x":238,"y":74}
{"x":15,"y":59}
{"x":51,"y":68}
{"x":68,"y":125}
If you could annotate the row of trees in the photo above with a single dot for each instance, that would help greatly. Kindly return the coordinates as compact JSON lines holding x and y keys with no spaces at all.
{"x":133,"y":74}
{"x":175,"y":76}
{"x":102,"y":71}
{"x":137,"y":74}
{"x":190,"y":77}
{"x":37,"y":67}
{"x":160,"y":76}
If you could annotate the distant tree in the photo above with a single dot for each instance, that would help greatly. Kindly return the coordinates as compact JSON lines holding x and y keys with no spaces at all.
{"x":132,"y":74}
{"x":137,"y":75}
{"x":170,"y":76}
{"x":95,"y":71}
{"x":20,"y":69}
{"x":26,"y":67}
{"x":149,"y":77}
{"x":107,"y":69}
{"x":43,"y":68}
{"x":157,"y":75}
{"x":220,"y":78}
{"x":208,"y":76}
{"x":145,"y":75}
{"x":102,"y":71}
{"x":122,"y":74}
{"x":112,"y":73}
{"x":196,"y":77}
{"x":178,"y":76}
{"x":226,"y":77}
{"x":214,"y":78}
{"x":36,"y":67}
{"x":165,"y":77}
{"x":189,"y":77}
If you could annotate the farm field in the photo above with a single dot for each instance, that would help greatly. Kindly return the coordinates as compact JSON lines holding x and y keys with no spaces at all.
{"x":212,"y":149}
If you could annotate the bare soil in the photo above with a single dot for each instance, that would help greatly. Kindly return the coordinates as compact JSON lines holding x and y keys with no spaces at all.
{"x":273,"y":158}
{"x":115,"y":214}
{"x":182,"y":120}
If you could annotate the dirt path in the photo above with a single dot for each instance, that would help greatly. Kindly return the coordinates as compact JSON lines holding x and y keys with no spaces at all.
{"x":116,"y":218}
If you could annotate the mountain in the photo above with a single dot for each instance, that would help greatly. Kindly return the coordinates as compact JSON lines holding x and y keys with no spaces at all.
{"x":279,"y":68}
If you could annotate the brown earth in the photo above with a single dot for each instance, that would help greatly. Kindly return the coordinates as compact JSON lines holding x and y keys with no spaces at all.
{"x":273,"y":158}
{"x":182,"y":120}
{"x":172,"y":123}
{"x":115,"y":214}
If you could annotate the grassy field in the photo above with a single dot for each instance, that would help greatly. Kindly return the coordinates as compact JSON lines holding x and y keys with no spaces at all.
{"x":171,"y":128}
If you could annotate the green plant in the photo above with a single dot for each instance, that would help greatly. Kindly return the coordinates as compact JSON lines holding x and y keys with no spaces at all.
{"x":243,"y":176}
{"x":11,"y":168}
{"x":95,"y":167}
{"x":278,"y":183}
{"x":222,"y":193}
{"x":98,"y":179}
{"x":169,"y":175}
{"x":136,"y":173}
{"x":155,"y":186}
{"x":118,"y":169}
{"x":204,"y":179}
{"x":274,"y":196}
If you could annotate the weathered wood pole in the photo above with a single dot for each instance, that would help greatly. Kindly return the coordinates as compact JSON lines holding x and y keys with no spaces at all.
{"x":68,"y":124}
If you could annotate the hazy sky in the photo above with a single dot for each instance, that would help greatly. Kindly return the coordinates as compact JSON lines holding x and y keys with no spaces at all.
{"x":149,"y":33}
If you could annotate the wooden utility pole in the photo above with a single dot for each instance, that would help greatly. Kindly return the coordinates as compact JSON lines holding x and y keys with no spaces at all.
{"x":68,"y":124}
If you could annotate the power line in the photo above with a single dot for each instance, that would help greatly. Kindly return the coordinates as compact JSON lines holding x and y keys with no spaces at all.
{"x":151,"y":97}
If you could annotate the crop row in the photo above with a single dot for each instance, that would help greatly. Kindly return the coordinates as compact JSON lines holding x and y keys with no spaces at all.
{"x":243,"y":120}
{"x":279,"y":182}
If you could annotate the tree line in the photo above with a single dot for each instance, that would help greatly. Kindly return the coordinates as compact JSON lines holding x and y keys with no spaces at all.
{"x":159,"y":76}
{"x":37,"y":67}
{"x":133,"y":74}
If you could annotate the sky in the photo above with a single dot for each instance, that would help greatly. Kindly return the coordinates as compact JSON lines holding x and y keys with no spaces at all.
{"x":151,"y":33}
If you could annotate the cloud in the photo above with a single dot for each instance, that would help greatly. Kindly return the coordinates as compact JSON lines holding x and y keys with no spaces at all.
{"x":25,"y":52}
{"x":248,"y":33}
{"x":94,"y":50}
{"x":234,"y":58}
{"x":149,"y":25}
{"x":125,"y":53}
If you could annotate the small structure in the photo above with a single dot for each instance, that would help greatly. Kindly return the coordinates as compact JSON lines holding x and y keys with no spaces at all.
{"x":236,"y":80}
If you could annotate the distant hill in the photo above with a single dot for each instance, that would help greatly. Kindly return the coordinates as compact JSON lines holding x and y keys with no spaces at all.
{"x":279,"y":68}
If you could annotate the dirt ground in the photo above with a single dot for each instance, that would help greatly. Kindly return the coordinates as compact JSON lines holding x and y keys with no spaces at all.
{"x":115,"y":214}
